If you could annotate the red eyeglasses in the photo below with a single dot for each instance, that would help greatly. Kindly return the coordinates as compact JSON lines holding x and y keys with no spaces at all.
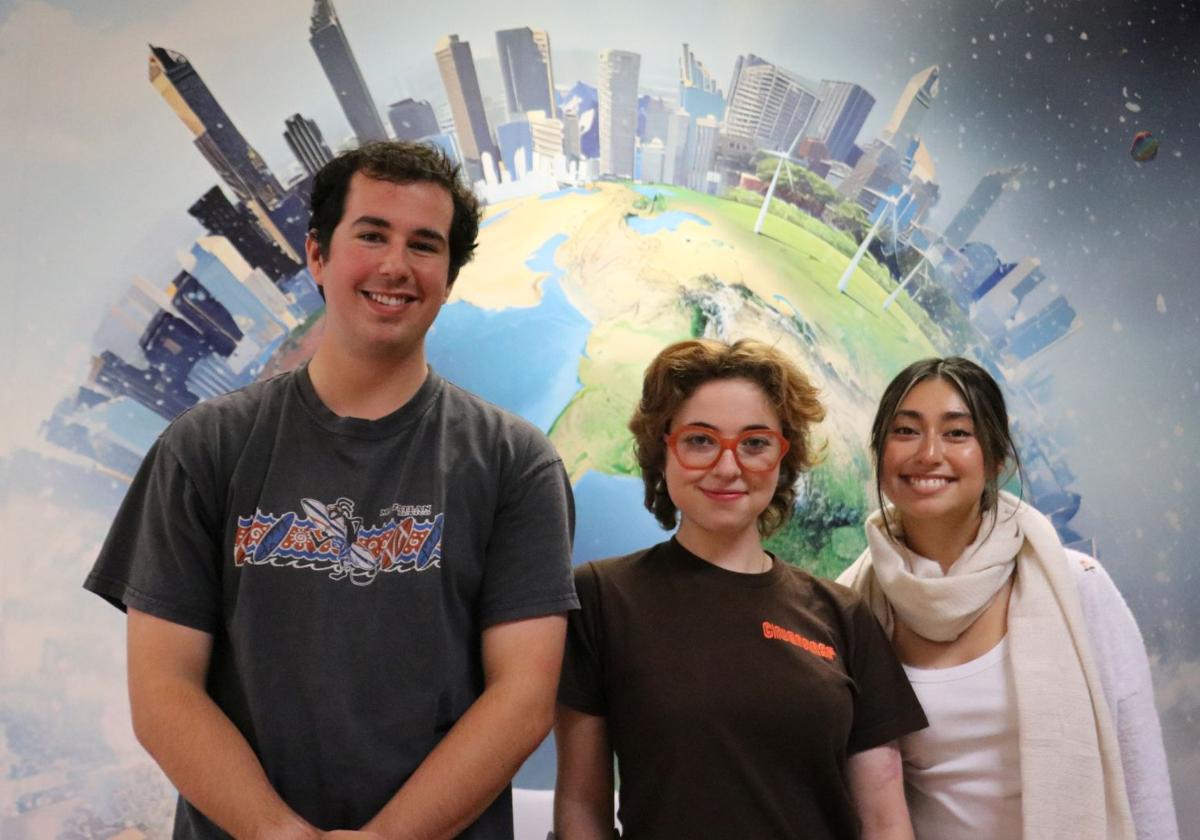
{"x":755,"y":450}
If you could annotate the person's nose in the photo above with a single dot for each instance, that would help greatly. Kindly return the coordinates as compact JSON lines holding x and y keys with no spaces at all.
{"x":931,"y":449}
{"x":394,"y":263}
{"x":727,"y":465}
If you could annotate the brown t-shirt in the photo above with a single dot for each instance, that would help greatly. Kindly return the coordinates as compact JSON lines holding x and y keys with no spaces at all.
{"x":732,"y":700}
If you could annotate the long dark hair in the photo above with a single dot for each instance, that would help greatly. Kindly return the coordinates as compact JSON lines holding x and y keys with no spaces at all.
{"x":989,"y":414}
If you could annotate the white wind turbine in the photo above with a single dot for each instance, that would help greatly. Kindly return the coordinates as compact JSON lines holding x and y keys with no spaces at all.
{"x":890,"y":213}
{"x":762,"y":213}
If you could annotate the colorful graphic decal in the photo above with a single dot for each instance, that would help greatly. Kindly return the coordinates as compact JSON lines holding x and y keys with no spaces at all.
{"x":330,"y":538}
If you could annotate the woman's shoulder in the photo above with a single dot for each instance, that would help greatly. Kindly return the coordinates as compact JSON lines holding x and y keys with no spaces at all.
{"x":615,"y":570}
{"x":1095,"y":586}
{"x":834,"y":592}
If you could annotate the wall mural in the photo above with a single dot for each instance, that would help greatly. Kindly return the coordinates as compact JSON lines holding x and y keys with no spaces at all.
{"x":863,"y":183}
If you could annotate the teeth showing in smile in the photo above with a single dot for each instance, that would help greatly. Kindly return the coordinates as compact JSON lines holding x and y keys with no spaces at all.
{"x":389,"y":300}
{"x":928,"y":482}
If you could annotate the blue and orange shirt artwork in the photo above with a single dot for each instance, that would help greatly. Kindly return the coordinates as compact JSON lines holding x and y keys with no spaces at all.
{"x":329,"y":537}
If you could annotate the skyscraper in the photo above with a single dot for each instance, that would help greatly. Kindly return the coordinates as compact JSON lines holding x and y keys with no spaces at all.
{"x":679,"y":127}
{"x":701,"y":151}
{"x":618,"y":111}
{"x":549,"y":137}
{"x":768,"y":107}
{"x":915,"y":101}
{"x":221,"y":218}
{"x":699,"y":94}
{"x":457,"y":67}
{"x":527,"y":71}
{"x":981,"y":200}
{"x":150,"y":387}
{"x":333,"y":51}
{"x":217,"y":138}
{"x":195,"y":303}
{"x":653,"y":117}
{"x":840,"y":116}
{"x":412,"y":119}
{"x":306,"y":142}
{"x":653,"y":158}
{"x":516,"y":147}
{"x":1053,"y":323}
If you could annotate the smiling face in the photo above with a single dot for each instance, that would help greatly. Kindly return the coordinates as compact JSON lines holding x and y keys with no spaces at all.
{"x":932,"y":467}
{"x":722,"y":501}
{"x":386,"y":273}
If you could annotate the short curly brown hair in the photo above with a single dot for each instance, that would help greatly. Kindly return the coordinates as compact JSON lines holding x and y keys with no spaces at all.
{"x":674,"y":376}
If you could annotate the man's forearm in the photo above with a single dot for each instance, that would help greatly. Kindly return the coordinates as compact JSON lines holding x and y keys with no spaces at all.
{"x":470,"y":767}
{"x":209,"y":762}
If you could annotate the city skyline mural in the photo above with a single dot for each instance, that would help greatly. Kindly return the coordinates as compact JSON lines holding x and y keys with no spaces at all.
{"x":861,"y":183}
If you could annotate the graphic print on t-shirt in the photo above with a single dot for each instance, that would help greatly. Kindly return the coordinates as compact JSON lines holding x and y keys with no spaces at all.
{"x":330,"y":538}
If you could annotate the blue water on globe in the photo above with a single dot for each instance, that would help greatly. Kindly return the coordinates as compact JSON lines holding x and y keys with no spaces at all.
{"x":523,"y":359}
{"x":663,"y":221}
{"x":565,"y":191}
{"x":611,"y":519}
{"x":493,"y":219}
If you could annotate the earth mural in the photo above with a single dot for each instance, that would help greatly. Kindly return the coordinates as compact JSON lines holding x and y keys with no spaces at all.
{"x":575,"y":291}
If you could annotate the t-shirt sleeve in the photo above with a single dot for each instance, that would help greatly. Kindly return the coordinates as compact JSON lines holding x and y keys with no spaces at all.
{"x":162,"y":554}
{"x":582,"y":684}
{"x":528,"y":565}
{"x":885,"y":706}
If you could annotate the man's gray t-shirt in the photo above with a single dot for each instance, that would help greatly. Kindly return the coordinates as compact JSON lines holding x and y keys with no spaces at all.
{"x":345,"y":569}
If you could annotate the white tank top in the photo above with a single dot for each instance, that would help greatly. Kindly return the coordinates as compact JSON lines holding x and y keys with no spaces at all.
{"x":962,"y":774}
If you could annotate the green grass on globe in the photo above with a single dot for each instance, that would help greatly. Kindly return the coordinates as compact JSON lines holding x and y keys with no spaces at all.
{"x":704,"y":272}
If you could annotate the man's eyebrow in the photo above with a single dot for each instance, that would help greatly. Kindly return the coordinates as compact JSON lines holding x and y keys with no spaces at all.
{"x":373,"y":221}
{"x":429,"y":233}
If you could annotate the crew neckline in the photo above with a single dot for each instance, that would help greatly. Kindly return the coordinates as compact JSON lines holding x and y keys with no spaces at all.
{"x":358,"y":427}
{"x":679,"y":555}
{"x":993,"y":657}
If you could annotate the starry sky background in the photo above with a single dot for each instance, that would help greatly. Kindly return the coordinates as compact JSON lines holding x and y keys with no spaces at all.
{"x":98,"y":173}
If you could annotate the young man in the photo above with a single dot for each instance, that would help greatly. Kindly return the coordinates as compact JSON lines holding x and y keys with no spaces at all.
{"x":346,"y":585}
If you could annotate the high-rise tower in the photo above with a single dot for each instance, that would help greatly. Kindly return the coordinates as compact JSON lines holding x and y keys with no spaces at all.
{"x":333,"y":51}
{"x":413,"y":119}
{"x":217,"y":138}
{"x":618,"y":111}
{"x":768,"y":106}
{"x":457,"y":67}
{"x":699,"y":94}
{"x":840,"y":116}
{"x":981,"y":200}
{"x":307,"y":143}
{"x":914,"y":103}
{"x":527,"y":70}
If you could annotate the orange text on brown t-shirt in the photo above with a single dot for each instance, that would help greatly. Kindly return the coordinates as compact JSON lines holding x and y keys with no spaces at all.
{"x":774,"y":631}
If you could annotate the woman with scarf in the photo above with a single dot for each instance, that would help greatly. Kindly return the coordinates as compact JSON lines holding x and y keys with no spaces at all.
{"x":1026,"y":659}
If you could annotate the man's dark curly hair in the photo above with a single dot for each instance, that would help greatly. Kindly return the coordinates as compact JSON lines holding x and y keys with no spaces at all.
{"x":399,"y":163}
{"x":674,"y":376}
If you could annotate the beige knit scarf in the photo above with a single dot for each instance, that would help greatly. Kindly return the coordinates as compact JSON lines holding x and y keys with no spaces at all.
{"x":1071,"y":780}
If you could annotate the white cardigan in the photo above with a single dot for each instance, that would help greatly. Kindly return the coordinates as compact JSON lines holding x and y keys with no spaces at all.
{"x":1120,"y":656}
